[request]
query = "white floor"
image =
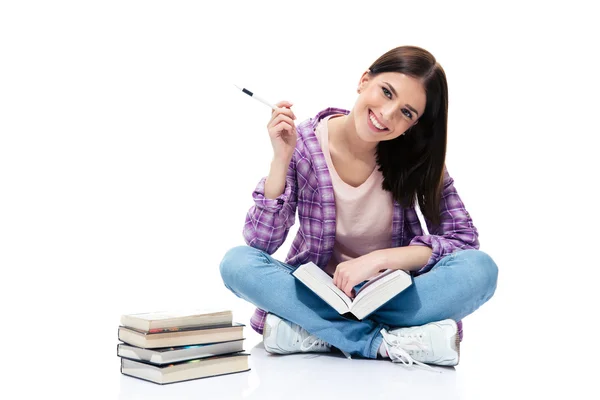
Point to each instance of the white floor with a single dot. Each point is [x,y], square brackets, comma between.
[306,376]
[497,362]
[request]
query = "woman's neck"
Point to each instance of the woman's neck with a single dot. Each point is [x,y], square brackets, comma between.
[343,138]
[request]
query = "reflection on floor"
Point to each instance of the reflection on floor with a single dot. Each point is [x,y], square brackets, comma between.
[307,376]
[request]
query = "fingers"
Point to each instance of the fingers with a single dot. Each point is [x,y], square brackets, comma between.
[342,282]
[284,103]
[336,276]
[347,288]
[283,111]
[283,107]
[341,279]
[280,118]
[283,126]
[349,291]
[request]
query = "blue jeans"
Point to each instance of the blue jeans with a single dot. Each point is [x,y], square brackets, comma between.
[455,287]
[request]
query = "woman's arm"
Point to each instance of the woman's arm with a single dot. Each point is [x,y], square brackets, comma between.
[349,273]
[270,218]
[275,197]
[455,231]
[408,258]
[275,182]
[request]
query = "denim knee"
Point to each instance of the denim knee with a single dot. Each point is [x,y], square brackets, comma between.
[484,271]
[234,262]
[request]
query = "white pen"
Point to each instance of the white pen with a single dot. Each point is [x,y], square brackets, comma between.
[254,96]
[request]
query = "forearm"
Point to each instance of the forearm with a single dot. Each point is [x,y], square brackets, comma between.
[407,258]
[275,183]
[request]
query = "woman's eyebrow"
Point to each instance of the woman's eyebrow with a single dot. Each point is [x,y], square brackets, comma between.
[411,108]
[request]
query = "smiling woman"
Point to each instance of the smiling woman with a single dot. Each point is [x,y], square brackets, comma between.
[354,177]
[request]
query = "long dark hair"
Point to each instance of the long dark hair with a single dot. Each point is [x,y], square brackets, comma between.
[413,164]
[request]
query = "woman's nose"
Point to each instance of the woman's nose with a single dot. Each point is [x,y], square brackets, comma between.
[387,114]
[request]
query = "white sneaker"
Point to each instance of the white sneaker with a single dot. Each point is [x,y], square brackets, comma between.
[434,343]
[284,337]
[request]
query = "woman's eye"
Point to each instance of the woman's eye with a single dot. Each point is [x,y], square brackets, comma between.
[407,113]
[385,92]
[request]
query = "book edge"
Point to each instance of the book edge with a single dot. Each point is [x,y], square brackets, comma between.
[184,329]
[170,363]
[184,380]
[166,365]
[367,296]
[177,348]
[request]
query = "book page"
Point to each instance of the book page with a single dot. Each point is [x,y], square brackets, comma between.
[377,281]
[183,313]
[321,277]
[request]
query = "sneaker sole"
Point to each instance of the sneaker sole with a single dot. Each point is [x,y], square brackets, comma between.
[266,331]
[456,342]
[456,338]
[266,335]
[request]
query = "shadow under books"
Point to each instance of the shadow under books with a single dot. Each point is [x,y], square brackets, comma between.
[307,374]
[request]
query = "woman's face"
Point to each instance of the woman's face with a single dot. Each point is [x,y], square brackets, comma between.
[388,104]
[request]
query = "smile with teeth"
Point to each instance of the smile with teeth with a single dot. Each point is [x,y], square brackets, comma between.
[376,123]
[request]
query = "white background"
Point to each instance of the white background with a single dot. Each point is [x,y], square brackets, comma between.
[128,158]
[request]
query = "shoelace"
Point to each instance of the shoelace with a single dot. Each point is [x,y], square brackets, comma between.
[312,342]
[398,347]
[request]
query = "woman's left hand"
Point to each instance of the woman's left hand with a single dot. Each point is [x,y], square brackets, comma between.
[350,273]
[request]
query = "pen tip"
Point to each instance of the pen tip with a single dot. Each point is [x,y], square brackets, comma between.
[237,86]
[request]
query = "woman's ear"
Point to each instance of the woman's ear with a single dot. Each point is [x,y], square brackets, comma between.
[363,80]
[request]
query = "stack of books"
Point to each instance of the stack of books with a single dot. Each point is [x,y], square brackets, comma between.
[169,347]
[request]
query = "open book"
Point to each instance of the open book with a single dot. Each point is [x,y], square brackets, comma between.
[372,295]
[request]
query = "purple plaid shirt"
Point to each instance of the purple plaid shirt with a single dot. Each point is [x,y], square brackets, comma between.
[309,189]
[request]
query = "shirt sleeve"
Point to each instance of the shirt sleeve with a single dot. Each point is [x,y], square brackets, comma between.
[269,220]
[455,232]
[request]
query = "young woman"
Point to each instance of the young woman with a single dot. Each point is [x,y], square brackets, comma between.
[353,177]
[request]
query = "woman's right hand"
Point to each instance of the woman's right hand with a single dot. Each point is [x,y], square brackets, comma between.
[282,131]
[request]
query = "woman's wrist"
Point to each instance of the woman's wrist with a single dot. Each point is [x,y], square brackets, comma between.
[407,258]
[275,183]
[281,161]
